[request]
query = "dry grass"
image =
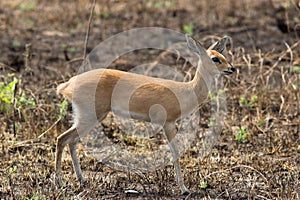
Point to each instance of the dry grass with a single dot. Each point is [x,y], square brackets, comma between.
[263,97]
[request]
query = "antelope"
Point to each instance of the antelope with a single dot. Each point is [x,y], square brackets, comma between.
[97,92]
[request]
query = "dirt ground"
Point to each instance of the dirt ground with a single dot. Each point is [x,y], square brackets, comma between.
[257,155]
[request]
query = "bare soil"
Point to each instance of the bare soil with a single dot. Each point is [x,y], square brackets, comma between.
[262,98]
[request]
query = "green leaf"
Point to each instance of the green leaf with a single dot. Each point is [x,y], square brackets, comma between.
[105,14]
[253,99]
[13,169]
[212,122]
[73,50]
[242,135]
[296,69]
[203,185]
[189,29]
[27,6]
[63,109]
[243,101]
[16,44]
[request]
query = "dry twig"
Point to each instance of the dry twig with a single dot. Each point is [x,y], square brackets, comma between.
[88,29]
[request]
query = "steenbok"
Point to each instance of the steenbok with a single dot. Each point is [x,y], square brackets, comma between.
[92,96]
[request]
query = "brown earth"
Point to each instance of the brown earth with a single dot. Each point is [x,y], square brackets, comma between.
[262,98]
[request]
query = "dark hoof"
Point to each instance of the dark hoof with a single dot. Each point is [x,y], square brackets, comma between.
[82,182]
[185,193]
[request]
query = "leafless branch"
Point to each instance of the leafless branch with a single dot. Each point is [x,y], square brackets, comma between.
[88,29]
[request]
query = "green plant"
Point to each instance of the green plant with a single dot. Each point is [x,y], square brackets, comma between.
[27,6]
[24,101]
[203,185]
[253,100]
[216,96]
[7,90]
[243,101]
[11,171]
[9,95]
[242,135]
[105,14]
[16,44]
[212,122]
[261,123]
[189,29]
[72,50]
[296,69]
[287,5]
[160,4]
[64,46]
[250,103]
[34,196]
[63,106]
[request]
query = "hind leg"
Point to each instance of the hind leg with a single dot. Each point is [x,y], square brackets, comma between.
[76,166]
[67,137]
[71,137]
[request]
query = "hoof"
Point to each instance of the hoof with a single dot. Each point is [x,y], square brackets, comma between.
[82,182]
[185,193]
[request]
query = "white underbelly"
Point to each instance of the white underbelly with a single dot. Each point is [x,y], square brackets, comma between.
[129,114]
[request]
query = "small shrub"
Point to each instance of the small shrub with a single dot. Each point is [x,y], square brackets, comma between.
[11,99]
[7,91]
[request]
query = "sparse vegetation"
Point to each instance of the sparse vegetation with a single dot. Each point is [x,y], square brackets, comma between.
[250,103]
[241,135]
[188,28]
[27,6]
[16,44]
[63,109]
[7,92]
[203,185]
[11,98]
[163,3]
[105,14]
[257,153]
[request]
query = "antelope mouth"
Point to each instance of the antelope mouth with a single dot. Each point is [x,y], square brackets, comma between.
[227,72]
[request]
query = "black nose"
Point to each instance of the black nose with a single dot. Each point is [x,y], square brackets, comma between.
[232,69]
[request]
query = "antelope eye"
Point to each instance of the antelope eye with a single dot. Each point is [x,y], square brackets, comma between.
[216,60]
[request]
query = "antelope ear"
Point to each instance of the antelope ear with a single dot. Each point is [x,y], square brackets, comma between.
[220,45]
[194,45]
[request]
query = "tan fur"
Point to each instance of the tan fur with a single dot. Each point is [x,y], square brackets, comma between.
[60,90]
[149,91]
[97,92]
